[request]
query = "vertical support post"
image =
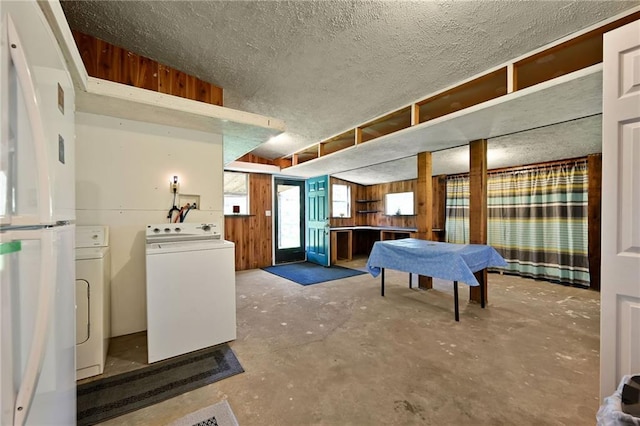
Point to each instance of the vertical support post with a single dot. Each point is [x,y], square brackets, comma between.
[424,202]
[478,209]
[415,114]
[382,283]
[439,207]
[358,136]
[511,78]
[594,207]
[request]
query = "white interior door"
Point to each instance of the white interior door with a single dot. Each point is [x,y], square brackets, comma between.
[620,292]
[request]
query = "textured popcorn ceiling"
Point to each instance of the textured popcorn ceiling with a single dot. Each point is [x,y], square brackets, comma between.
[326,66]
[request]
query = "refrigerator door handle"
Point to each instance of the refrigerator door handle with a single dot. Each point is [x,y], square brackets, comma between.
[31,98]
[39,341]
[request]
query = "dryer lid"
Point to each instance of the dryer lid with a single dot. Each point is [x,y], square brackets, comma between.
[88,253]
[92,236]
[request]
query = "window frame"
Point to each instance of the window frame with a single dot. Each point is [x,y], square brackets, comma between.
[398,206]
[348,201]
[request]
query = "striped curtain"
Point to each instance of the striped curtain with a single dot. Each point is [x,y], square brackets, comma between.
[537,220]
[457,210]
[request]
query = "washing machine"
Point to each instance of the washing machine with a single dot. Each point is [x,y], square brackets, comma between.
[93,299]
[191,289]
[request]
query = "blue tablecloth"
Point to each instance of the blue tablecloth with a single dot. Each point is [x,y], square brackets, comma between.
[455,262]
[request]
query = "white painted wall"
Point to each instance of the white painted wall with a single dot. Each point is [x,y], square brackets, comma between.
[122,180]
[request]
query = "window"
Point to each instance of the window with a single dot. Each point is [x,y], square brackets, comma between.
[399,203]
[341,200]
[236,193]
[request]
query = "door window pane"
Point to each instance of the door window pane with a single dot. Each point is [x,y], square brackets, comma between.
[341,200]
[288,216]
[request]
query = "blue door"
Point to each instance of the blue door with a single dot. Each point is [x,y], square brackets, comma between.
[318,220]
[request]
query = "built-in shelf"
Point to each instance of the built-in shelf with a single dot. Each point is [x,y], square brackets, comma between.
[241,131]
[562,99]
[367,210]
[401,215]
[556,83]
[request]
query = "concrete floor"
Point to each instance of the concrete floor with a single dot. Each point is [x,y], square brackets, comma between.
[338,353]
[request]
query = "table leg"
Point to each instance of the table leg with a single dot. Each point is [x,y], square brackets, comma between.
[382,283]
[455,298]
[482,295]
[410,283]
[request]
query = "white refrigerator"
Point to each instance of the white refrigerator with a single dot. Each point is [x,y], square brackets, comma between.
[37,213]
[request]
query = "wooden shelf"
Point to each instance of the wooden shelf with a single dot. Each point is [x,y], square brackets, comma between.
[569,97]
[242,130]
[367,201]
[560,82]
[368,211]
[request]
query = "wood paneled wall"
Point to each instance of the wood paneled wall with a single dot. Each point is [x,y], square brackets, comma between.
[439,185]
[252,234]
[375,196]
[594,164]
[106,61]
[250,158]
[377,192]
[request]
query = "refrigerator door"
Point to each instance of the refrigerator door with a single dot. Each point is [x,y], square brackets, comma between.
[38,136]
[37,267]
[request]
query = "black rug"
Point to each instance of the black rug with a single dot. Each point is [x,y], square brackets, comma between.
[306,273]
[114,396]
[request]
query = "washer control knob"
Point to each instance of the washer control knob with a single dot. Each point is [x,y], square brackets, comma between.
[206,228]
[156,230]
[167,230]
[178,229]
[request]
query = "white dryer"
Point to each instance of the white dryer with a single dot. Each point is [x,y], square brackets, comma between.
[93,299]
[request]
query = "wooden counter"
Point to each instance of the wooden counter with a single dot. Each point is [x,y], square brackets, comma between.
[349,240]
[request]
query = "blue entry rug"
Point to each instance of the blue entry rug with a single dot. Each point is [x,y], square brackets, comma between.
[307,273]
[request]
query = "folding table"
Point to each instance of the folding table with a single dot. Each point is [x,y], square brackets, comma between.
[455,262]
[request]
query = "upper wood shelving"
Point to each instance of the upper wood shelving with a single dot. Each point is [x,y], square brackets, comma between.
[109,98]
[478,107]
[572,55]
[241,131]
[474,92]
[566,98]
